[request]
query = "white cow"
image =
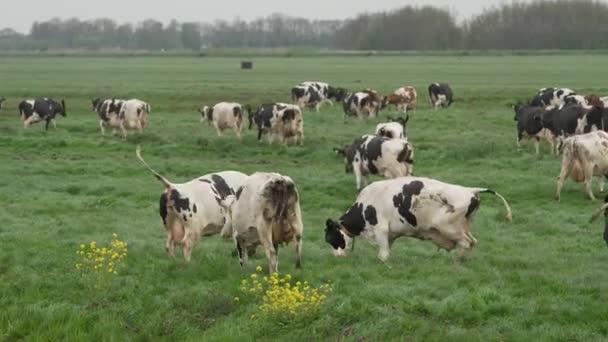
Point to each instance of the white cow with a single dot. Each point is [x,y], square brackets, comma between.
[395,129]
[421,208]
[371,154]
[133,115]
[583,157]
[193,209]
[224,115]
[266,210]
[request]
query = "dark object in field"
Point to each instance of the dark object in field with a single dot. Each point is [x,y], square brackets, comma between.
[2,99]
[603,209]
[246,65]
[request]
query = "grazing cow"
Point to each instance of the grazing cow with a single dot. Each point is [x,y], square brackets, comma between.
[224,115]
[603,209]
[2,99]
[366,103]
[420,208]
[33,111]
[194,209]
[266,210]
[530,125]
[371,154]
[410,96]
[441,95]
[584,156]
[556,97]
[312,94]
[279,119]
[395,129]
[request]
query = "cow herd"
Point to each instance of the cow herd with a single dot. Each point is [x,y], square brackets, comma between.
[264,208]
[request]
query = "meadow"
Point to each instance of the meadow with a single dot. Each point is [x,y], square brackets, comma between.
[537,278]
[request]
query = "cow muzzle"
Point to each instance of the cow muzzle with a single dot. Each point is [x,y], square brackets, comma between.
[339,252]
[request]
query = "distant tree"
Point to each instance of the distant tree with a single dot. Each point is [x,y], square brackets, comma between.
[191,36]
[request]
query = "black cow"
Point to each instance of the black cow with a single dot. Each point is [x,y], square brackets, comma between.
[33,111]
[530,125]
[440,94]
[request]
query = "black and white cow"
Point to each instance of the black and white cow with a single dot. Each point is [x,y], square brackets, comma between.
[440,95]
[363,104]
[41,109]
[420,208]
[122,114]
[556,97]
[394,129]
[376,155]
[194,209]
[602,210]
[279,119]
[313,94]
[225,115]
[564,121]
[108,111]
[530,125]
[2,99]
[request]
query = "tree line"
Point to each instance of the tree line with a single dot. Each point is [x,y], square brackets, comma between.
[544,24]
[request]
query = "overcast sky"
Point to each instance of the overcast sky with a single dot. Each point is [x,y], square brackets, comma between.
[20,14]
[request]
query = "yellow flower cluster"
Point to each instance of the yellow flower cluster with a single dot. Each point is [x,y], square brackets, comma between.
[280,296]
[102,259]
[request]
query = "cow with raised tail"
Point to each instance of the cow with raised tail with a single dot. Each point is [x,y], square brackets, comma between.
[371,154]
[420,208]
[266,210]
[194,209]
[41,109]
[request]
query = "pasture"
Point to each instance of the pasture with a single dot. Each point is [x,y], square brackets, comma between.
[537,278]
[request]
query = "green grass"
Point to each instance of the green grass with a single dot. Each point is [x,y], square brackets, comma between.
[537,278]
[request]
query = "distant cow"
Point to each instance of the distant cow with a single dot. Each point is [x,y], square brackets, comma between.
[420,208]
[376,155]
[556,97]
[366,103]
[395,129]
[41,109]
[530,125]
[224,115]
[108,110]
[266,210]
[313,94]
[602,210]
[583,157]
[192,210]
[2,99]
[564,121]
[440,95]
[279,119]
[409,98]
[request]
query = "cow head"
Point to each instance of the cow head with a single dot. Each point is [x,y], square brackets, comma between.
[336,237]
[348,153]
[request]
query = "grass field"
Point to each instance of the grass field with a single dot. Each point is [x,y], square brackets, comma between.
[537,278]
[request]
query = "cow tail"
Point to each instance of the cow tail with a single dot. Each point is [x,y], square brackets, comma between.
[509,215]
[280,196]
[158,176]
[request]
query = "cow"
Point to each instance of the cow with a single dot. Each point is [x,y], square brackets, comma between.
[279,119]
[530,125]
[108,111]
[133,115]
[394,129]
[564,121]
[2,99]
[556,97]
[440,95]
[603,209]
[583,157]
[266,210]
[409,96]
[371,154]
[365,103]
[420,208]
[224,115]
[194,209]
[312,94]
[40,109]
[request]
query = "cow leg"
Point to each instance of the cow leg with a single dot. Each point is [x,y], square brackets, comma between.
[564,172]
[464,246]
[537,145]
[298,239]
[170,245]
[243,257]
[217,129]
[46,126]
[271,252]
[588,172]
[237,131]
[102,126]
[123,130]
[54,123]
[383,242]
[188,245]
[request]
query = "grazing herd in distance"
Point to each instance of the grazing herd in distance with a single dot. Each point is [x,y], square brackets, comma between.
[264,208]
